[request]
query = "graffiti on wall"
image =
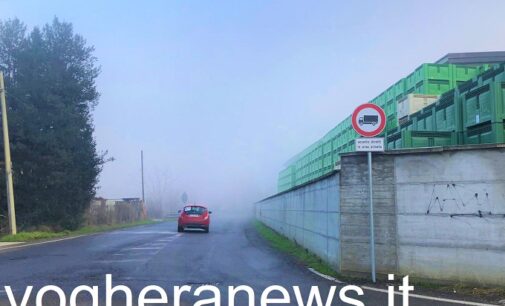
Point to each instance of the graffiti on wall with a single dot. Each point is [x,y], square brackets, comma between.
[460,200]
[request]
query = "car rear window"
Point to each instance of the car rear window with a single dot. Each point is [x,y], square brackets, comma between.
[194,210]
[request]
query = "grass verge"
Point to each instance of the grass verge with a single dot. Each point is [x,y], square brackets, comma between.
[313,261]
[39,235]
[287,246]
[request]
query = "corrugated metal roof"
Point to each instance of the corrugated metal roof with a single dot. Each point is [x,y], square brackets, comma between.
[469,58]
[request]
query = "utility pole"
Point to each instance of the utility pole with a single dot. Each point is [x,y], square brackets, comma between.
[142,171]
[8,163]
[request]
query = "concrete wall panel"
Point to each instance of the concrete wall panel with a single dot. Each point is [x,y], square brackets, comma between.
[451,215]
[355,213]
[309,216]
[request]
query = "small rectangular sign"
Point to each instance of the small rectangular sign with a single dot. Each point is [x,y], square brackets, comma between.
[370,144]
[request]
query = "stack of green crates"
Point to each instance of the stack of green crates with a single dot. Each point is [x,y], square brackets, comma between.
[473,113]
[427,79]
[484,114]
[470,110]
[420,139]
[286,179]
[308,164]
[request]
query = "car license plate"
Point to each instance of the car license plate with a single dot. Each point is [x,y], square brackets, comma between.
[193,215]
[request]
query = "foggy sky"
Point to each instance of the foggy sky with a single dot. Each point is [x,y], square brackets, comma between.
[220,94]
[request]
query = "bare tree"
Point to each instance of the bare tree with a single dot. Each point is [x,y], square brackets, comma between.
[162,199]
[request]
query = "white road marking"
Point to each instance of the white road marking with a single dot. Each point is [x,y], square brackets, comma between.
[169,238]
[331,278]
[156,245]
[136,254]
[45,242]
[23,244]
[121,260]
[142,232]
[417,296]
[144,248]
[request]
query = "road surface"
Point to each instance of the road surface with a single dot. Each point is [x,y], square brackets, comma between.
[232,254]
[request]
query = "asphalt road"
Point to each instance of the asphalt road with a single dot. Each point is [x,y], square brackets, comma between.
[232,254]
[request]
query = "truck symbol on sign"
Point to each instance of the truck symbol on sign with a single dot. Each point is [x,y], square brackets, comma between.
[368,119]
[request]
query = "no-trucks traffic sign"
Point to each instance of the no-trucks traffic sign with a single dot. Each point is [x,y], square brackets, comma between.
[368,120]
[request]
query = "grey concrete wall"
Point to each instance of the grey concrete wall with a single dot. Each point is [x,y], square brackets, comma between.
[451,215]
[439,214]
[309,216]
[355,216]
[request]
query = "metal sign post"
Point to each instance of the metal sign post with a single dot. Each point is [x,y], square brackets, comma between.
[372,229]
[369,120]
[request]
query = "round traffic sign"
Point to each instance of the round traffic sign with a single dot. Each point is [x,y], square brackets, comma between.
[368,120]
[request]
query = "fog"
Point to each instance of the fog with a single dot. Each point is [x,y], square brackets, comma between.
[220,94]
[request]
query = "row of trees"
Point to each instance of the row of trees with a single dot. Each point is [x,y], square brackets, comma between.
[50,75]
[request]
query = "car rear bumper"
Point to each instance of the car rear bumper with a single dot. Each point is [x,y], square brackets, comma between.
[195,225]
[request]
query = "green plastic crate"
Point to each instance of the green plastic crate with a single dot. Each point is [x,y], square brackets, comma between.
[484,104]
[352,146]
[448,112]
[317,153]
[398,143]
[287,178]
[394,140]
[430,79]
[389,95]
[318,164]
[390,108]
[336,143]
[424,120]
[429,72]
[486,132]
[380,100]
[391,122]
[496,73]
[433,87]
[327,146]
[420,139]
[336,156]
[407,125]
[399,90]
[353,135]
[328,160]
[462,74]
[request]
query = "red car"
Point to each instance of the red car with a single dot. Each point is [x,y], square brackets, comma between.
[194,216]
